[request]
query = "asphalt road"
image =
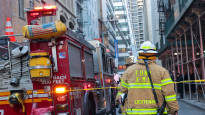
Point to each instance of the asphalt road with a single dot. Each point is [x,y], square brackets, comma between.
[186,109]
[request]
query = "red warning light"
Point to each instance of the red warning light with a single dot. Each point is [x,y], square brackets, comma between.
[61,98]
[108,80]
[34,14]
[37,12]
[45,7]
[86,86]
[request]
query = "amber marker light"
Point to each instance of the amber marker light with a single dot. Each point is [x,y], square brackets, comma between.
[60,90]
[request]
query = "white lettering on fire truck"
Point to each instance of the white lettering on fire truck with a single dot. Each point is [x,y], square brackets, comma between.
[1,112]
[59,77]
[56,79]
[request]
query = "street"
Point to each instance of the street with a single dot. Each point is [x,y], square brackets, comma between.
[186,109]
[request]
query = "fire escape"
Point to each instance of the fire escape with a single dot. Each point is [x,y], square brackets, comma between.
[161,19]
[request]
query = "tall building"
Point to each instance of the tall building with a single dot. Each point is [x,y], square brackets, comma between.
[123,32]
[151,17]
[135,9]
[152,30]
[107,25]
[90,19]
[71,13]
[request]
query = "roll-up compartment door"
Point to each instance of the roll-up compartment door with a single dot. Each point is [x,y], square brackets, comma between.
[89,69]
[75,64]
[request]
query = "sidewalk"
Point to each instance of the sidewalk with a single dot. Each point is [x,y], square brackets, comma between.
[195,103]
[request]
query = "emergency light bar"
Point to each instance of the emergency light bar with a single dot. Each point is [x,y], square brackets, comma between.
[45,7]
[37,12]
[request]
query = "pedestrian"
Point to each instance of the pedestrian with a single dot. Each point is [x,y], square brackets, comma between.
[193,86]
[117,78]
[148,86]
[171,75]
[180,85]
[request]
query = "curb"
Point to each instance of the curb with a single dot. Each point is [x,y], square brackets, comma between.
[101,112]
[194,103]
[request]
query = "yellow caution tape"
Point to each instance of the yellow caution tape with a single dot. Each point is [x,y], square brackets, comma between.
[89,89]
[191,81]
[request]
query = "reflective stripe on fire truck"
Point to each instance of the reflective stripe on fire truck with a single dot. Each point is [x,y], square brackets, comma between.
[4,98]
[38,95]
[4,93]
[3,102]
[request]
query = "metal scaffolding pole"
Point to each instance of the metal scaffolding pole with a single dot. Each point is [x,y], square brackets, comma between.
[173,65]
[169,62]
[201,48]
[187,63]
[182,66]
[178,69]
[193,58]
[173,62]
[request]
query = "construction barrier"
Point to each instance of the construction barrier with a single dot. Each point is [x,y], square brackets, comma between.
[9,30]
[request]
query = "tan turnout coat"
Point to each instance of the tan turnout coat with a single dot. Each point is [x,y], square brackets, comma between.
[135,82]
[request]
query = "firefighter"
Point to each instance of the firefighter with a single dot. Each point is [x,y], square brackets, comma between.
[137,83]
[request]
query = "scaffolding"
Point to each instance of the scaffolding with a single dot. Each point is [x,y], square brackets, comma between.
[135,11]
[185,55]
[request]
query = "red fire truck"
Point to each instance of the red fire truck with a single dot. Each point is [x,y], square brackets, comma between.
[64,75]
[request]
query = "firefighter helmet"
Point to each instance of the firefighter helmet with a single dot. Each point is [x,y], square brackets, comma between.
[147,50]
[147,47]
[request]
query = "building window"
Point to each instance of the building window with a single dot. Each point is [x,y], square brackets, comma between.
[117,0]
[122,50]
[119,8]
[21,8]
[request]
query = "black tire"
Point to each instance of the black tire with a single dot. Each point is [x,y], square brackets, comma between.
[113,110]
[111,102]
[89,106]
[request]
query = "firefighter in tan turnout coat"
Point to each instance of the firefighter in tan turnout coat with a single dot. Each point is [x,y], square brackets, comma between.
[136,83]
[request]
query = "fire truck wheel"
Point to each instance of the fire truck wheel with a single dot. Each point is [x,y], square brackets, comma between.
[113,103]
[89,106]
